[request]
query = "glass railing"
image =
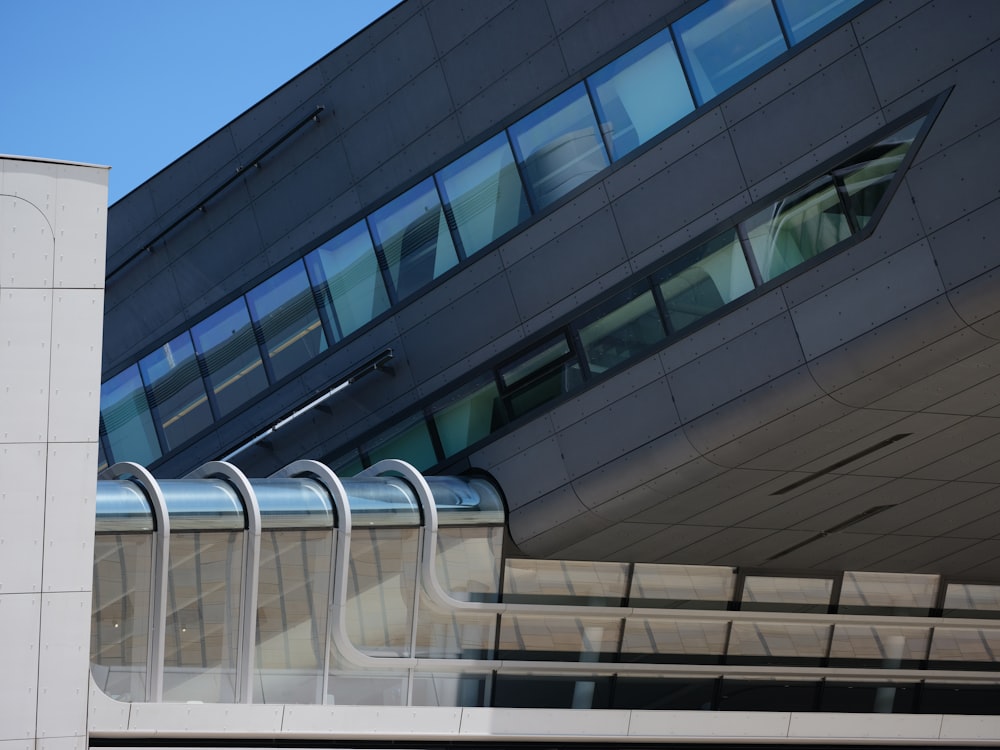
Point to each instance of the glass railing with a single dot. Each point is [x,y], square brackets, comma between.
[227,360]
[831,212]
[391,589]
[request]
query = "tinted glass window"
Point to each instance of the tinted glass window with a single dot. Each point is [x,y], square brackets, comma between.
[469,416]
[178,392]
[227,343]
[483,194]
[640,94]
[541,375]
[410,442]
[804,17]
[621,330]
[413,234]
[724,41]
[345,272]
[559,146]
[284,308]
[126,419]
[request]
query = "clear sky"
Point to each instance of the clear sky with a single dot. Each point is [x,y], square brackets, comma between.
[134,84]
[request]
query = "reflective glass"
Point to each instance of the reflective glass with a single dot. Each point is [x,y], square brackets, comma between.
[772,642]
[555,638]
[119,626]
[786,594]
[900,593]
[472,690]
[562,581]
[345,273]
[704,280]
[682,586]
[804,17]
[292,503]
[346,465]
[177,390]
[483,194]
[203,614]
[621,329]
[202,504]
[350,686]
[976,645]
[468,562]
[285,311]
[558,146]
[292,611]
[413,234]
[977,600]
[381,501]
[126,419]
[797,228]
[468,416]
[454,635]
[226,341]
[866,177]
[409,441]
[879,646]
[544,373]
[122,506]
[466,501]
[640,94]
[724,41]
[686,641]
[379,612]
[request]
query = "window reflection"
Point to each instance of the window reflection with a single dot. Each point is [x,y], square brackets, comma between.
[563,581]
[797,228]
[414,237]
[804,17]
[778,643]
[177,390]
[345,273]
[682,586]
[640,94]
[409,441]
[483,194]
[544,373]
[468,416]
[559,146]
[126,420]
[284,309]
[888,593]
[622,329]
[786,594]
[724,41]
[680,641]
[227,342]
[704,280]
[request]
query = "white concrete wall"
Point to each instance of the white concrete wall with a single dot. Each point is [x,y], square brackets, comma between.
[53,219]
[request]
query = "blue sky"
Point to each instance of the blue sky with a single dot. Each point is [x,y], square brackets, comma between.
[134,84]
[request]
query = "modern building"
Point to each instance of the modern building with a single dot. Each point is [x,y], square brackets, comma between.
[704,291]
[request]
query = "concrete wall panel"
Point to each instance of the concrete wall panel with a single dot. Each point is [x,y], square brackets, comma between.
[883,15]
[22,502]
[551,225]
[813,112]
[687,189]
[75,401]
[80,221]
[551,522]
[530,474]
[277,113]
[27,260]
[966,248]
[867,300]
[69,518]
[25,349]
[64,664]
[452,21]
[19,634]
[610,391]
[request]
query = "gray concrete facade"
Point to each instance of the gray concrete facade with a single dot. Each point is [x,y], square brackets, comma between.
[690,455]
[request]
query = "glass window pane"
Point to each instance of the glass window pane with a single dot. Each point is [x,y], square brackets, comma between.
[704,280]
[965,645]
[804,17]
[724,41]
[126,419]
[345,272]
[879,646]
[559,146]
[786,594]
[867,176]
[178,392]
[774,642]
[284,308]
[292,616]
[900,593]
[561,581]
[972,600]
[379,611]
[410,442]
[640,94]
[468,416]
[203,614]
[483,193]
[621,330]
[468,562]
[413,234]
[797,228]
[543,374]
[668,641]
[558,638]
[119,626]
[226,341]
[682,586]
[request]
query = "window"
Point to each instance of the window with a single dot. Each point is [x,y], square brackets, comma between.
[804,17]
[622,329]
[177,390]
[226,341]
[544,373]
[127,422]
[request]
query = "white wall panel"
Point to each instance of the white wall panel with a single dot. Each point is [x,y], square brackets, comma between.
[74,402]
[64,664]
[22,508]
[25,327]
[26,246]
[19,615]
[71,488]
[81,219]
